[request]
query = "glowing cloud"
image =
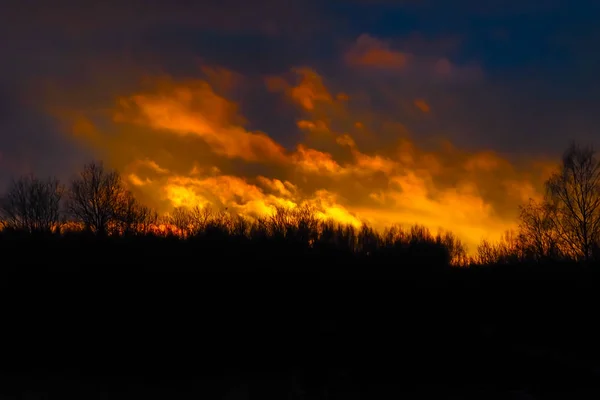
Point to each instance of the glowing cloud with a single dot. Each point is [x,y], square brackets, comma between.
[192,108]
[179,143]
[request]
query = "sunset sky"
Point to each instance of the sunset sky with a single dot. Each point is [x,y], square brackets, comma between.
[445,113]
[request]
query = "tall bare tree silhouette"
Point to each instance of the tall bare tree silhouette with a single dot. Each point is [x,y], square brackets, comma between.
[539,239]
[96,198]
[573,194]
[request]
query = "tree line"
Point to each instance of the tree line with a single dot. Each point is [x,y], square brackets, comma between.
[564,226]
[97,203]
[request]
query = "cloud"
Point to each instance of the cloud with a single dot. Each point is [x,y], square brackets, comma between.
[192,108]
[422,105]
[373,53]
[94,60]
[179,143]
[308,91]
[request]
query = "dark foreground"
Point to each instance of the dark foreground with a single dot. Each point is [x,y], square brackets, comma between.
[298,336]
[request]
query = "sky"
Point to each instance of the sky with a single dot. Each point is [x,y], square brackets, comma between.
[447,114]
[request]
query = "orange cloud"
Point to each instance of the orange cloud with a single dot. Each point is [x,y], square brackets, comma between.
[372,52]
[192,108]
[314,161]
[422,105]
[313,126]
[179,143]
[285,189]
[309,90]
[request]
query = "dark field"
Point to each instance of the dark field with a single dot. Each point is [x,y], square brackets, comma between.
[273,333]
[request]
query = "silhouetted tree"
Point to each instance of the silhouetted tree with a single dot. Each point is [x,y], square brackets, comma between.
[240,227]
[457,251]
[573,193]
[508,250]
[335,237]
[200,218]
[539,239]
[32,205]
[97,198]
[181,218]
[368,241]
[134,218]
[281,222]
[486,253]
[307,224]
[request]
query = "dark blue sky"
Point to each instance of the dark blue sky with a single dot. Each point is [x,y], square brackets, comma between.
[539,63]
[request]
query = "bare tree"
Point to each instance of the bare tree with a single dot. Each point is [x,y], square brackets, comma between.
[31,204]
[96,198]
[307,224]
[539,239]
[135,218]
[574,195]
[200,218]
[457,250]
[181,218]
[240,226]
[507,250]
[487,253]
[280,223]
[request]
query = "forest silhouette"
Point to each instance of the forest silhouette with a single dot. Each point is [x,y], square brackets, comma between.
[96,209]
[293,306]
